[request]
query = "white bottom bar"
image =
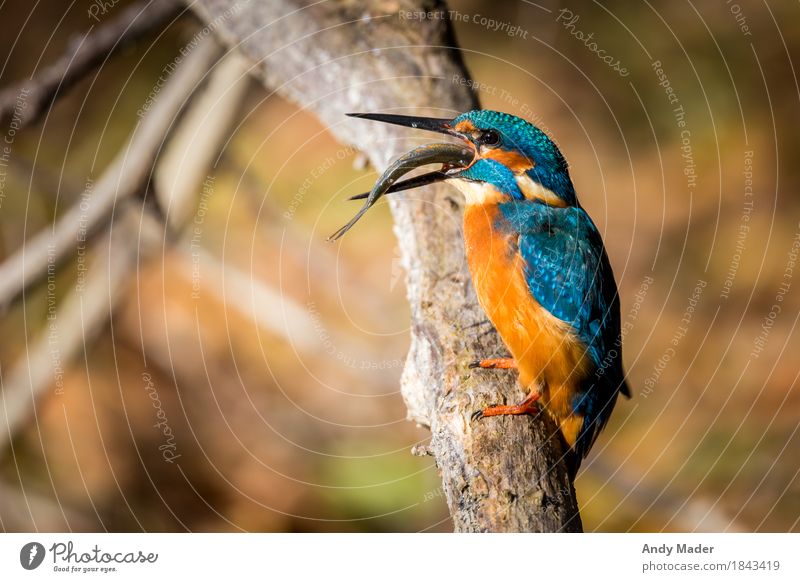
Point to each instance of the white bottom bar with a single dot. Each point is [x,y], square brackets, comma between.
[410,557]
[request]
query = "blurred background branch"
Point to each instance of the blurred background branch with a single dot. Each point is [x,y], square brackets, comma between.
[130,239]
[126,175]
[85,54]
[78,320]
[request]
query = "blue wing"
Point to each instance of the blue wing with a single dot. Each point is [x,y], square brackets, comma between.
[569,274]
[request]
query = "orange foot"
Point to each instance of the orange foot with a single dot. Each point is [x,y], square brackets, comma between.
[527,406]
[495,363]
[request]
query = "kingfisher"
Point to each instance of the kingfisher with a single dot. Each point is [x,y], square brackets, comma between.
[537,261]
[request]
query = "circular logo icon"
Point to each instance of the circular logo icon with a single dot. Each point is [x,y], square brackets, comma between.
[31,555]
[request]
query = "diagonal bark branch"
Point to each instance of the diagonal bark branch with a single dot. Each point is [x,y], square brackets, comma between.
[83,55]
[502,474]
[125,176]
[131,237]
[77,322]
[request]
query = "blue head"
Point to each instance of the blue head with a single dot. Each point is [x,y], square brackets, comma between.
[502,158]
[512,159]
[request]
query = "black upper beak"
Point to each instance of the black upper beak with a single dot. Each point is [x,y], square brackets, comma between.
[439,125]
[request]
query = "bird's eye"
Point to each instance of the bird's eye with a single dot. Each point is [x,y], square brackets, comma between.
[489,138]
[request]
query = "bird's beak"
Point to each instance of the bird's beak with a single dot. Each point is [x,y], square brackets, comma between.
[437,124]
[453,158]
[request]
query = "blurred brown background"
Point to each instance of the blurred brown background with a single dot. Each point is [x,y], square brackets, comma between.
[274,357]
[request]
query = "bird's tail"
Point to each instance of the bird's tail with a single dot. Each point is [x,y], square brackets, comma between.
[573,461]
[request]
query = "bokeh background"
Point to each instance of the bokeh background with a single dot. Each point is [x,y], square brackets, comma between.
[275,357]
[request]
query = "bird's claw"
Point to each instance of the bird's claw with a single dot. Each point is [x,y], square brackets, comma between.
[477,415]
[504,363]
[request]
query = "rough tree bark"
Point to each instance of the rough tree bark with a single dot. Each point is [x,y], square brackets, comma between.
[500,474]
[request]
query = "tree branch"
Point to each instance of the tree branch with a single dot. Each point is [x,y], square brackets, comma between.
[82,56]
[502,474]
[125,176]
[82,315]
[131,237]
[195,144]
[24,510]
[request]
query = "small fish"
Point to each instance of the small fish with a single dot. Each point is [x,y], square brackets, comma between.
[450,155]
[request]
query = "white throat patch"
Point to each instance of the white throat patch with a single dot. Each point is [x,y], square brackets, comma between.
[477,192]
[532,190]
[484,193]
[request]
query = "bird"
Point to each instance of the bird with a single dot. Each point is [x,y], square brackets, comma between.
[538,265]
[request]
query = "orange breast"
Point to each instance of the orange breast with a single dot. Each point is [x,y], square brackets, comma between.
[549,356]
